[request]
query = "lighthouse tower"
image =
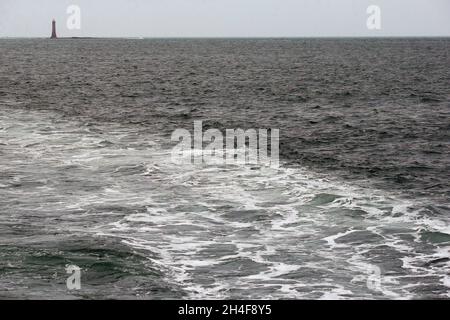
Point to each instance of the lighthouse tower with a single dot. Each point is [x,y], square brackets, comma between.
[54,30]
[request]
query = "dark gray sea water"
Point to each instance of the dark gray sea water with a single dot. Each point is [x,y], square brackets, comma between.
[358,209]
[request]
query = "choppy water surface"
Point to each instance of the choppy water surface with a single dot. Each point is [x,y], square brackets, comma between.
[86,176]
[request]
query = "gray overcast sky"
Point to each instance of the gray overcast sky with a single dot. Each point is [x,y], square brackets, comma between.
[225,18]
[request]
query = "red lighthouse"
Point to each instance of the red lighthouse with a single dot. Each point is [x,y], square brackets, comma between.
[54,30]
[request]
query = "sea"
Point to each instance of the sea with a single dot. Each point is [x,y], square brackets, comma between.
[359,207]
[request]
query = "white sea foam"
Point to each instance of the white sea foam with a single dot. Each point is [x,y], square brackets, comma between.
[227,231]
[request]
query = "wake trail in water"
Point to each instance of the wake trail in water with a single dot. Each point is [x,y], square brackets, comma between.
[221,231]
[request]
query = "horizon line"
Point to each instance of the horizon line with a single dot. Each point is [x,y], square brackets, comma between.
[232,37]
